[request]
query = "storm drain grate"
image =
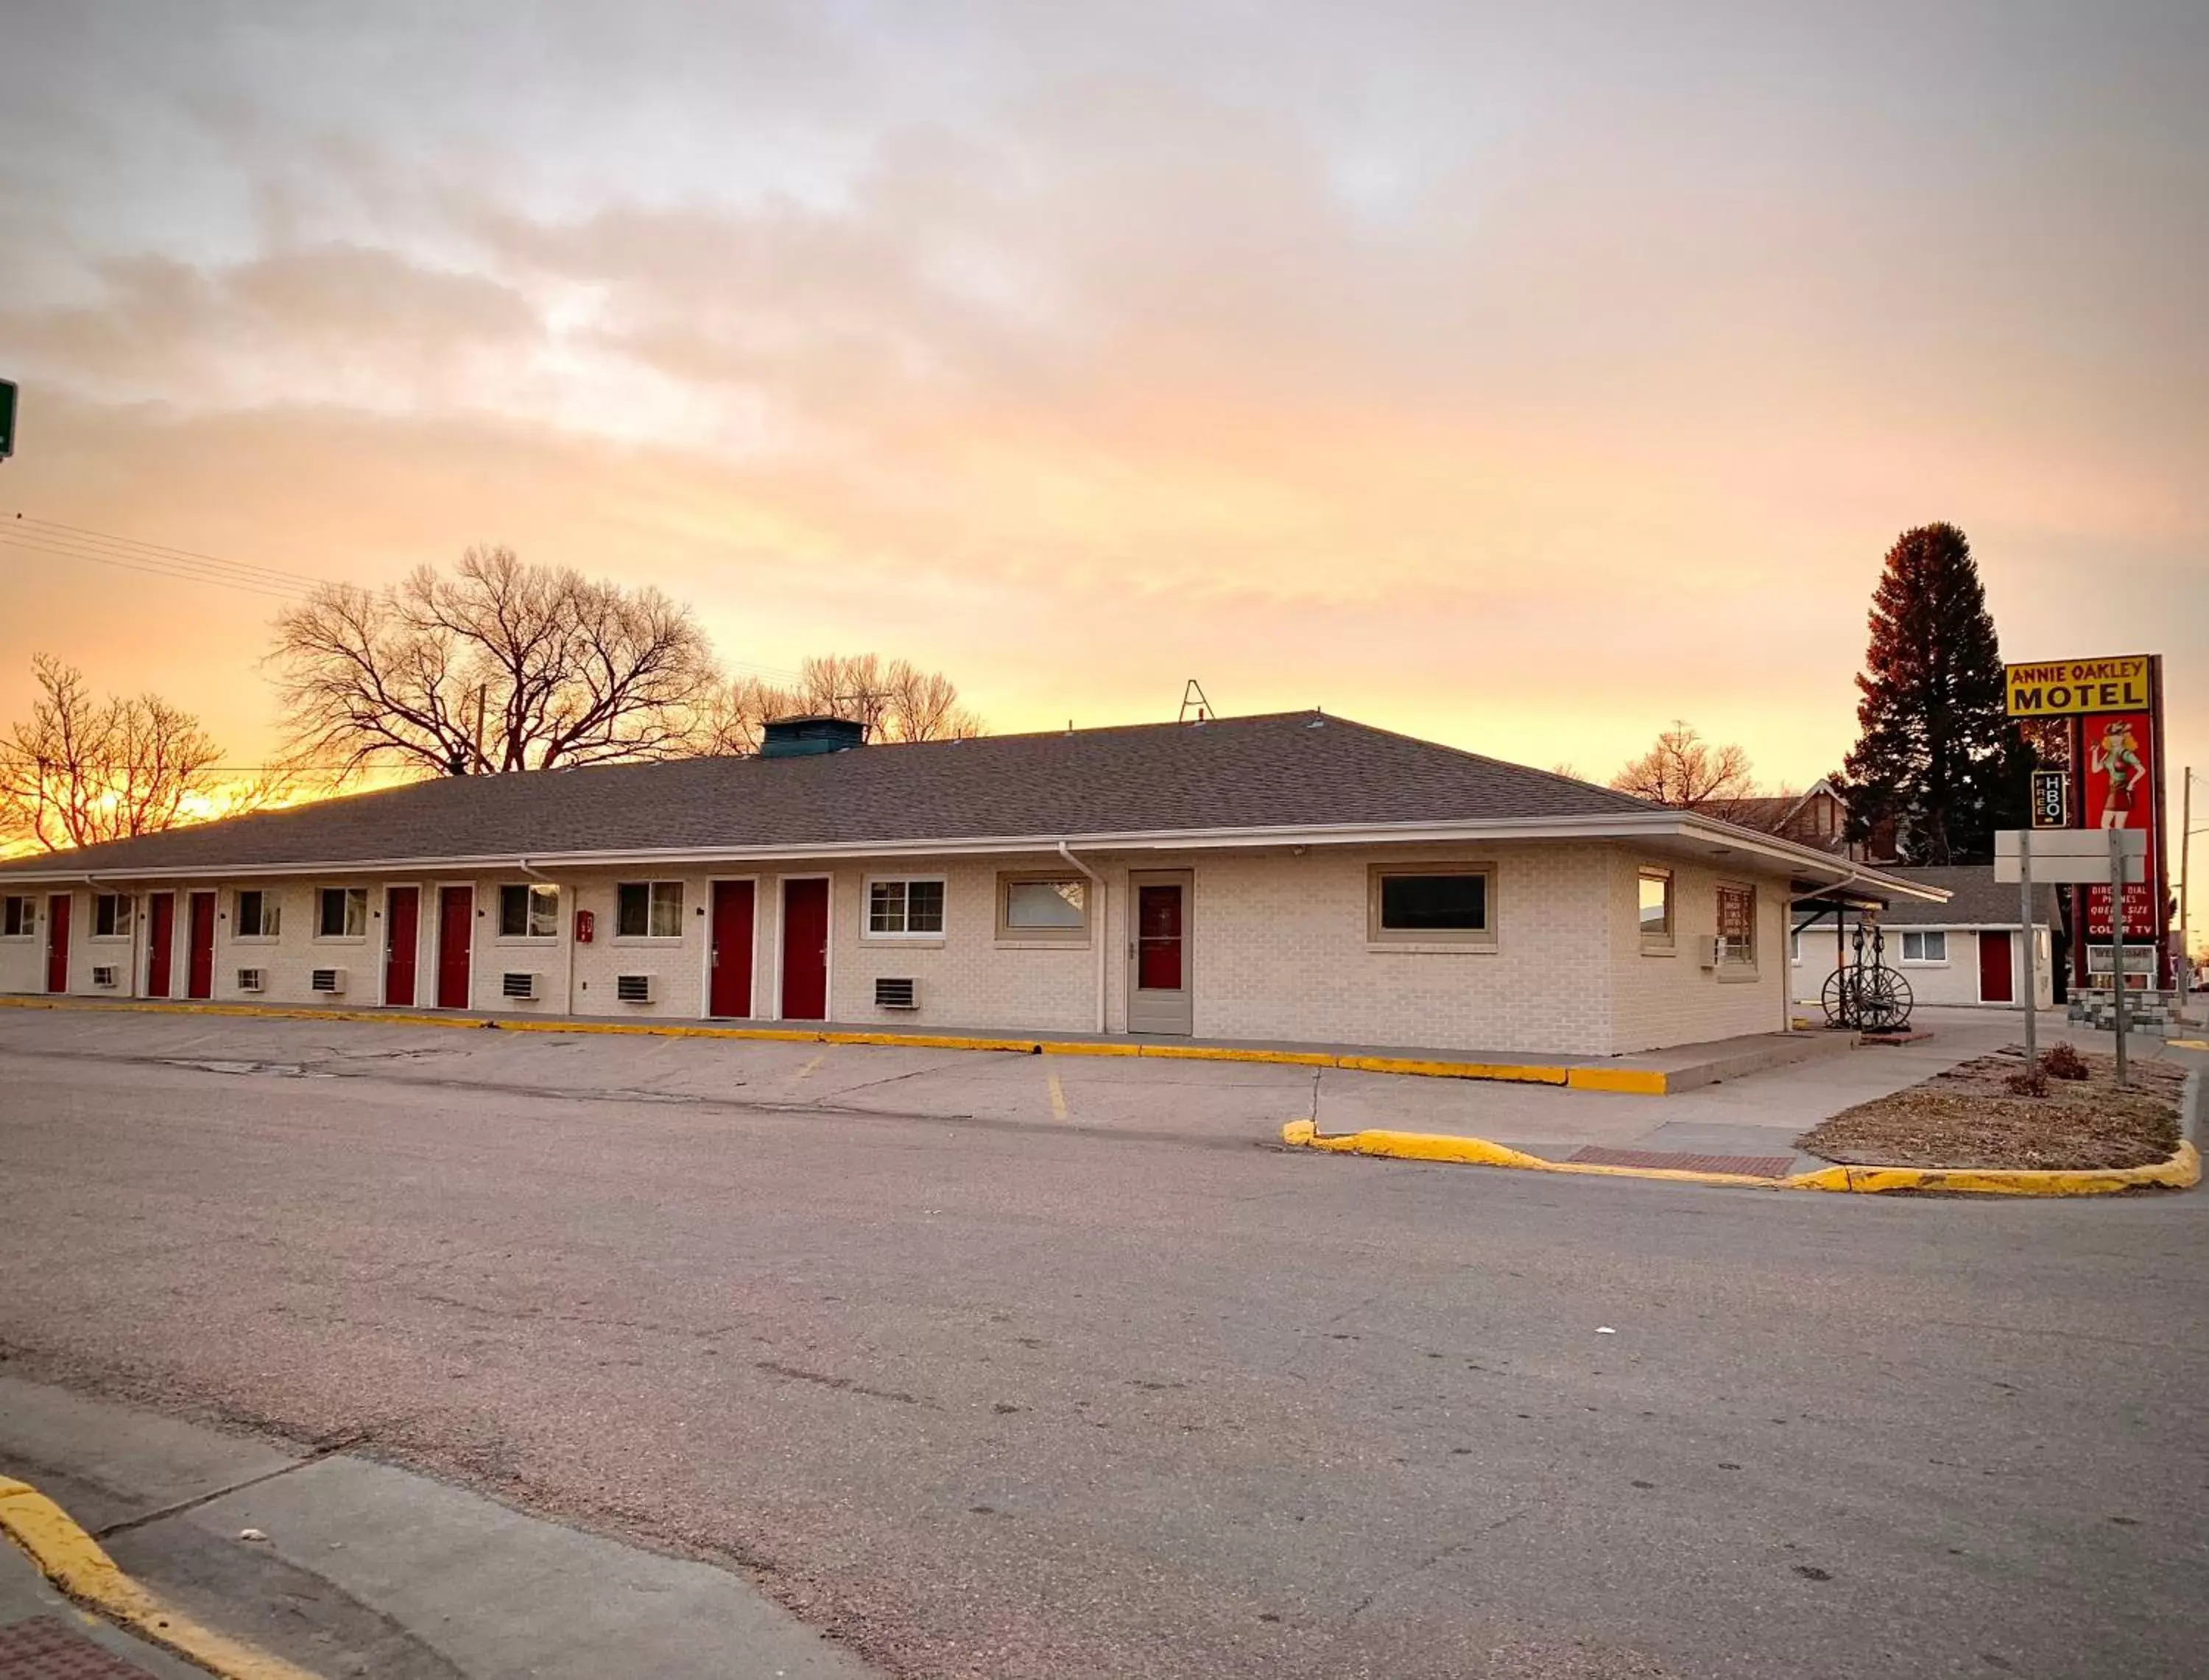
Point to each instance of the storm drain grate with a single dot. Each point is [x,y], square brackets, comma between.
[1750,1167]
[43,1649]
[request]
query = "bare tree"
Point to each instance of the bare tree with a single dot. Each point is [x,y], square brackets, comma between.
[1686,771]
[500,667]
[82,770]
[897,702]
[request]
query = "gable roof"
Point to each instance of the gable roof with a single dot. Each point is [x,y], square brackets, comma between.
[1975,898]
[1287,770]
[1278,778]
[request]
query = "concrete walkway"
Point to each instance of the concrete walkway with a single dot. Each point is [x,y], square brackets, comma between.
[370,1570]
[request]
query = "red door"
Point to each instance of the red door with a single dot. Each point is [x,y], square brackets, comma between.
[1995,986]
[57,933]
[730,991]
[160,941]
[402,934]
[805,950]
[199,961]
[456,923]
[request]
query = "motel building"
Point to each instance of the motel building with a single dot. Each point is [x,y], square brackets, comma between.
[1292,878]
[1969,951]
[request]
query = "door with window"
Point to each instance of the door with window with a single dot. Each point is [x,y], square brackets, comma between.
[1995,981]
[160,941]
[805,950]
[199,959]
[456,927]
[729,986]
[1160,995]
[58,943]
[402,940]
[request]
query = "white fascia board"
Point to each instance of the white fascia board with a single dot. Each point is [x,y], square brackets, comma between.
[1655,824]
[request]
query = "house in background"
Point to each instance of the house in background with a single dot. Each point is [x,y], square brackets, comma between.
[1818,817]
[1969,950]
[1293,877]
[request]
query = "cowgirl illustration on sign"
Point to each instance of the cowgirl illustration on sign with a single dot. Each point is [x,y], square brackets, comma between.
[2117,757]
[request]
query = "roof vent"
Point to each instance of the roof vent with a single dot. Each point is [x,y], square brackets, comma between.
[801,738]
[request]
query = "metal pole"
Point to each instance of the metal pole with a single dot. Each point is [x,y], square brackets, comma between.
[2185,882]
[2032,955]
[2118,942]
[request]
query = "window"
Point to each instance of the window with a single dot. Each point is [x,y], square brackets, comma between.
[253,915]
[1929,946]
[19,918]
[1431,904]
[905,908]
[1656,910]
[110,916]
[343,914]
[649,910]
[527,912]
[1737,926]
[1043,907]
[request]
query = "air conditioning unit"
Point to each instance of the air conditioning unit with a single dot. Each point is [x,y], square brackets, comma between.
[326,982]
[896,994]
[107,977]
[522,987]
[1706,950]
[253,979]
[633,988]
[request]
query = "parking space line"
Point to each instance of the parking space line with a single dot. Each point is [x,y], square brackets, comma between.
[800,1075]
[1057,1099]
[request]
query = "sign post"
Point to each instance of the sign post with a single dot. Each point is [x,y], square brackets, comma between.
[7,418]
[2117,943]
[2032,948]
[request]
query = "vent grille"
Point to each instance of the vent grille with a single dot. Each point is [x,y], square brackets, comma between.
[891,994]
[103,976]
[633,988]
[517,985]
[252,979]
[328,981]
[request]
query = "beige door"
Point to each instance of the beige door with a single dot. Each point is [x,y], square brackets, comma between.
[1160,952]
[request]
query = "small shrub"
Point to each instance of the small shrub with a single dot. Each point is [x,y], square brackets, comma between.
[2024,1084]
[2062,1062]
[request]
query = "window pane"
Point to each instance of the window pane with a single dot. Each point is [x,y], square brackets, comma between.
[633,912]
[886,908]
[355,912]
[543,912]
[248,915]
[1044,904]
[1936,946]
[1656,903]
[1434,903]
[923,906]
[666,910]
[513,913]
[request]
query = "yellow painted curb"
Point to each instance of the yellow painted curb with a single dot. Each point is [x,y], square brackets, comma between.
[1639,1082]
[2187,1044]
[2181,1171]
[73,1561]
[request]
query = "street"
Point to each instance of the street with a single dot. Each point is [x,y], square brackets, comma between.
[979,1398]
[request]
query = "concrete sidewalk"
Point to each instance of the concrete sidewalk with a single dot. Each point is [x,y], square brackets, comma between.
[42,1633]
[370,1570]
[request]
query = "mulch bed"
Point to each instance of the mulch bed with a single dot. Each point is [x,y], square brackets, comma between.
[1967,1117]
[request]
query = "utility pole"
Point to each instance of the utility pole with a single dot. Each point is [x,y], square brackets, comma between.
[2185,880]
[2032,950]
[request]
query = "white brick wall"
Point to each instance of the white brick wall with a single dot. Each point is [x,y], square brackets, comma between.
[1279,951]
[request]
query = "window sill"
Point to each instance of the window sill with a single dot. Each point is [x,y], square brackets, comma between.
[1421,948]
[644,941]
[911,942]
[1003,943]
[1651,947]
[1737,973]
[531,942]
[256,939]
[338,939]
[107,939]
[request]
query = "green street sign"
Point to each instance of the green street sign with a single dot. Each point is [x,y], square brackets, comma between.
[7,418]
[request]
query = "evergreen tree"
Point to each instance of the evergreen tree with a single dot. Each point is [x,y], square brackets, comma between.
[1937,760]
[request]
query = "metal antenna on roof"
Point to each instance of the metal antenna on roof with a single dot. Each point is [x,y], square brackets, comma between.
[1192,699]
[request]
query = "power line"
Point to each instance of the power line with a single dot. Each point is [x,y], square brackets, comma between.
[54,529]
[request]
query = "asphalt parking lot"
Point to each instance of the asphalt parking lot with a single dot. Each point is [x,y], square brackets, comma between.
[982,1390]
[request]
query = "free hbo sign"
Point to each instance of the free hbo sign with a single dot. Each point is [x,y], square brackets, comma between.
[2068,687]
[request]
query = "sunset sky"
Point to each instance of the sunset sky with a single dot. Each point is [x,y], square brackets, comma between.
[1520,376]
